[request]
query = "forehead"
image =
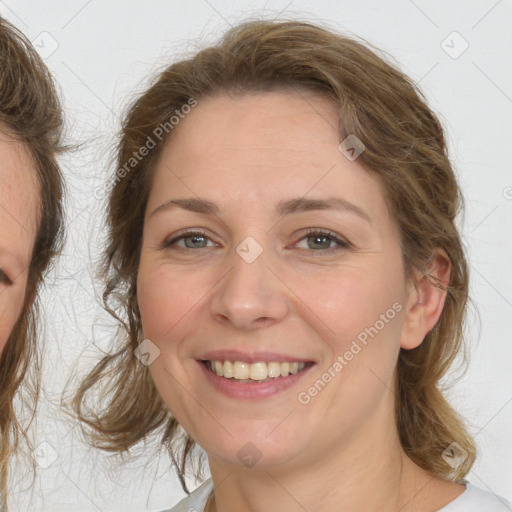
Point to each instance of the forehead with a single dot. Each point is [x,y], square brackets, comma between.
[19,197]
[226,122]
[263,146]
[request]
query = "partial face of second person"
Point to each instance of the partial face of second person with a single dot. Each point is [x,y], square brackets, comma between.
[322,277]
[19,206]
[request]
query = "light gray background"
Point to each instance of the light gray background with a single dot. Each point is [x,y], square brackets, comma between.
[102,53]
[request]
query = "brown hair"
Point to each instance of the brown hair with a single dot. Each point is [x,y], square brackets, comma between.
[405,148]
[30,111]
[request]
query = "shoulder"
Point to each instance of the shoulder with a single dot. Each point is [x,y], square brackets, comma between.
[196,501]
[474,499]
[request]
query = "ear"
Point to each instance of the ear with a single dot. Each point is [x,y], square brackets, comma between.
[426,301]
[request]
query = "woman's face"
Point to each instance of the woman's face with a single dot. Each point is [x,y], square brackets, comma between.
[262,183]
[19,200]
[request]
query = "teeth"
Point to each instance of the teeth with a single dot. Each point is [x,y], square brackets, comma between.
[260,371]
[274,369]
[227,368]
[241,370]
[219,368]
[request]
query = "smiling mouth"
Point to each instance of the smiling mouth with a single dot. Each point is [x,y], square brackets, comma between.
[254,372]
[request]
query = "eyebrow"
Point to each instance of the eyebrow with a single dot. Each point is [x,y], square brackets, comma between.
[284,207]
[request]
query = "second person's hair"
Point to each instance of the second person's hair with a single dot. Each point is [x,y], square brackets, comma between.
[30,113]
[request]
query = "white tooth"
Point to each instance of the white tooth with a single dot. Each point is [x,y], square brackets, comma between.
[228,370]
[241,370]
[285,369]
[258,371]
[274,369]
[218,368]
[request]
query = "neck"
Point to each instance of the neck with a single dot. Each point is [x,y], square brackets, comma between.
[363,475]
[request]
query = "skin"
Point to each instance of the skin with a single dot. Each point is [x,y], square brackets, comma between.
[19,200]
[247,154]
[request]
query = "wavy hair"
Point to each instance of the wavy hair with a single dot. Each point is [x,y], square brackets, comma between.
[405,149]
[30,112]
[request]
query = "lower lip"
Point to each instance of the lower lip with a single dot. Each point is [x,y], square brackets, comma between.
[249,390]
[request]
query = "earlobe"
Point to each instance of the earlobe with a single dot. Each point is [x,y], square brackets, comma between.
[426,301]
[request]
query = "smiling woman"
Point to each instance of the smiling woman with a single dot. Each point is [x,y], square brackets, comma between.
[293,236]
[30,222]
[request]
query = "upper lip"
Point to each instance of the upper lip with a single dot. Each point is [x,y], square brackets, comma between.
[251,357]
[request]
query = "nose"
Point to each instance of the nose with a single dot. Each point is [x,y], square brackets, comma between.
[250,296]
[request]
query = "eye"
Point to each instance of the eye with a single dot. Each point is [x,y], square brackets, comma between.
[316,240]
[323,240]
[190,240]
[4,278]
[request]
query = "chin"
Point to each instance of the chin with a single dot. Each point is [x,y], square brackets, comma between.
[254,450]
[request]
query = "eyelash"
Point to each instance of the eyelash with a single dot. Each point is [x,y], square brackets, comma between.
[342,244]
[4,278]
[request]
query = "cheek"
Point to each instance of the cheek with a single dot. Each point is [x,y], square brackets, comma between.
[364,312]
[363,308]
[353,300]
[166,296]
[11,304]
[168,300]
